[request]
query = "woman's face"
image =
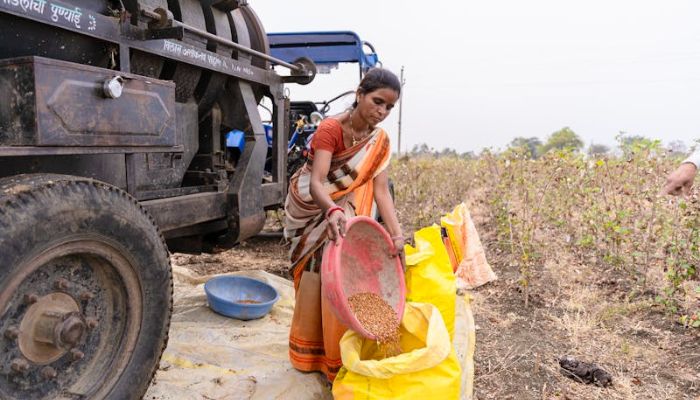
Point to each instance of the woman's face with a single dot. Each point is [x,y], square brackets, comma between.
[375,106]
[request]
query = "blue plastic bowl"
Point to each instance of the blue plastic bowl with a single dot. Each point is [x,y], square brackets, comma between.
[240,297]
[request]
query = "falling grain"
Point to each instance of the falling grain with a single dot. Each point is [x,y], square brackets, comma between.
[379,319]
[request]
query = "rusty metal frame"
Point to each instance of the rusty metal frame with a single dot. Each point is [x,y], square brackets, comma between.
[189,210]
[127,36]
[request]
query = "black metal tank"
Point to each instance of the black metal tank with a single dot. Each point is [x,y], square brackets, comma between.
[226,19]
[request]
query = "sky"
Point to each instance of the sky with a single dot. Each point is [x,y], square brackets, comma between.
[479,73]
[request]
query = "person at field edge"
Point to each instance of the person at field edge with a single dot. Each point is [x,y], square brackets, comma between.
[680,181]
[344,175]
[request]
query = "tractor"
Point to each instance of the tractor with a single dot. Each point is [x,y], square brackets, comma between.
[114,117]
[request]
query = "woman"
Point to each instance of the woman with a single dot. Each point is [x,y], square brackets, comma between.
[346,170]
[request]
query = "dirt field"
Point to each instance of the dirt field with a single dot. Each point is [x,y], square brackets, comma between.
[577,310]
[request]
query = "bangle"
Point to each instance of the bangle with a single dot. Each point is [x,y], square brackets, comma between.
[332,210]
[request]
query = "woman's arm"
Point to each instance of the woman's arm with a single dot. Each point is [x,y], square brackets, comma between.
[385,204]
[319,170]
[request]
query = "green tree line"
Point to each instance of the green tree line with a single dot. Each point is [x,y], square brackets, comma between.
[564,139]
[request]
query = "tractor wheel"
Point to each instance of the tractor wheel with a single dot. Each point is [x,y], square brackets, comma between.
[85,290]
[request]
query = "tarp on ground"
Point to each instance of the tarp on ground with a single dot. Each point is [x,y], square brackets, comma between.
[210,356]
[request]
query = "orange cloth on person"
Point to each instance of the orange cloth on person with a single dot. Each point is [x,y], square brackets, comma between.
[328,136]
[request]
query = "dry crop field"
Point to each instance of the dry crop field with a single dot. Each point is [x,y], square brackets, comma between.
[592,263]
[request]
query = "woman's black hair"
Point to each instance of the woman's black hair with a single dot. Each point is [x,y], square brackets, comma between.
[378,78]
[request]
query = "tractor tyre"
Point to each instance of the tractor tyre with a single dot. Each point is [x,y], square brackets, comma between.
[85,290]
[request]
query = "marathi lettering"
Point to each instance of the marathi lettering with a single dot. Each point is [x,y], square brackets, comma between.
[213,60]
[69,14]
[36,6]
[171,47]
[195,54]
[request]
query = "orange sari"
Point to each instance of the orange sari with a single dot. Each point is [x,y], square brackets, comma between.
[314,337]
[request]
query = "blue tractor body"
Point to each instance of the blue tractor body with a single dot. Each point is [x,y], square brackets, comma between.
[326,50]
[323,48]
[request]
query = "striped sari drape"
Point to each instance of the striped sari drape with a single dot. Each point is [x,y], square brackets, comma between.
[315,332]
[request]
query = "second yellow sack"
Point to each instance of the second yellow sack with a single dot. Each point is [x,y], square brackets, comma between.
[429,275]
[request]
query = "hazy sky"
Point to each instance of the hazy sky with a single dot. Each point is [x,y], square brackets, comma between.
[479,73]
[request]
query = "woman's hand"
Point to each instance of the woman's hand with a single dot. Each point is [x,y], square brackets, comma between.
[398,251]
[336,225]
[398,245]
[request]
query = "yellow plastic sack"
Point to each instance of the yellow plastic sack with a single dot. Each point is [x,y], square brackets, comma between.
[429,276]
[472,270]
[427,368]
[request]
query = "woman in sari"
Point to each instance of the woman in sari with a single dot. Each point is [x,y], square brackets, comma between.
[344,176]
